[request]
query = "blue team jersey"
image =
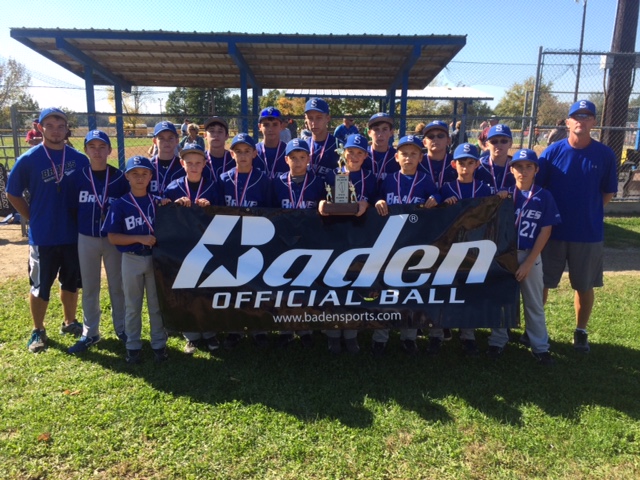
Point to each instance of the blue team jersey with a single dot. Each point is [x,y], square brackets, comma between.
[577,179]
[440,171]
[245,189]
[497,177]
[534,210]
[165,172]
[306,194]
[205,188]
[131,215]
[323,158]
[475,189]
[93,196]
[381,163]
[39,170]
[271,160]
[216,166]
[342,132]
[399,188]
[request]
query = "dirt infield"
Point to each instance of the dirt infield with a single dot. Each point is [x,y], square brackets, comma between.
[14,252]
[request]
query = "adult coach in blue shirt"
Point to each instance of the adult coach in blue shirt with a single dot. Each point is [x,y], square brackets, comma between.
[580,172]
[346,128]
[46,171]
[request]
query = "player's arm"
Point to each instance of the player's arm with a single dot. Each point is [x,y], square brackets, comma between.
[538,245]
[124,239]
[606,197]
[20,204]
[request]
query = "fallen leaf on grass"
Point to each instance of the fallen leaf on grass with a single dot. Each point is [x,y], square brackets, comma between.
[69,392]
[44,437]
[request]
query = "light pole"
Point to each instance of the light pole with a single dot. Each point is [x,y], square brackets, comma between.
[160,100]
[584,17]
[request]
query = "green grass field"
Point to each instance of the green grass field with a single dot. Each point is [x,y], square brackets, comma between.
[306,415]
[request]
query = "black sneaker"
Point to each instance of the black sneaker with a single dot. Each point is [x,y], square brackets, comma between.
[284,339]
[37,341]
[581,341]
[232,341]
[544,358]
[335,346]
[435,344]
[378,348]
[191,347]
[494,352]
[212,344]
[160,354]
[122,337]
[74,328]
[83,344]
[134,357]
[410,347]
[352,346]
[524,339]
[306,341]
[447,334]
[261,341]
[470,348]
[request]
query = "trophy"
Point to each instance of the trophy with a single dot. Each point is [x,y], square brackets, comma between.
[341,198]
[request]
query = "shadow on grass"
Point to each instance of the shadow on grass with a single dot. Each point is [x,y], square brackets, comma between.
[313,384]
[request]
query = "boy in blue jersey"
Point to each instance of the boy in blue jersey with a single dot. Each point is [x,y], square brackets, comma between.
[270,158]
[437,161]
[44,170]
[166,163]
[245,186]
[381,160]
[465,162]
[219,159]
[299,188]
[322,145]
[408,186]
[130,226]
[194,189]
[364,184]
[494,167]
[536,213]
[96,187]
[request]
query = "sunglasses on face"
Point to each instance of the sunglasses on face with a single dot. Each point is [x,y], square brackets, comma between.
[582,116]
[436,135]
[501,141]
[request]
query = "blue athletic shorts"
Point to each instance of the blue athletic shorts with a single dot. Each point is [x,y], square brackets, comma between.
[51,261]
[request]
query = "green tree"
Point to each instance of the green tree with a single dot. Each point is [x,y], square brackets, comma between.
[549,108]
[132,102]
[14,81]
[199,103]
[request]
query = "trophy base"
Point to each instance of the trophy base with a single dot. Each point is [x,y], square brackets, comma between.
[341,208]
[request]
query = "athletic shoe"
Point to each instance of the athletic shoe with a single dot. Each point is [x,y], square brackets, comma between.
[160,354]
[410,347]
[335,346]
[284,339]
[524,339]
[232,341]
[212,344]
[306,341]
[134,357]
[378,348]
[83,344]
[122,337]
[447,334]
[470,348]
[74,328]
[261,341]
[38,340]
[435,344]
[581,341]
[544,358]
[494,352]
[191,347]
[352,346]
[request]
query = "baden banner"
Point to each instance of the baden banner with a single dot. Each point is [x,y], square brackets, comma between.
[231,269]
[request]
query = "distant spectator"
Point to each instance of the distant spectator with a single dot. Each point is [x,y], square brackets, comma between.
[285,133]
[558,133]
[482,138]
[455,136]
[417,132]
[184,128]
[192,137]
[293,128]
[34,136]
[345,129]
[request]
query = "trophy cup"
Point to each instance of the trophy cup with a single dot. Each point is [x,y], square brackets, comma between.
[341,198]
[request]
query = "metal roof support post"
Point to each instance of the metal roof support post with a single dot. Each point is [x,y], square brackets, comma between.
[463,119]
[244,102]
[91,98]
[117,97]
[455,112]
[257,93]
[391,102]
[403,104]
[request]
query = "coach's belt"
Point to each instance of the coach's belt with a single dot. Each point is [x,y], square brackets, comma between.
[141,253]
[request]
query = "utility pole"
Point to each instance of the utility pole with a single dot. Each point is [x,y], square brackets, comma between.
[620,75]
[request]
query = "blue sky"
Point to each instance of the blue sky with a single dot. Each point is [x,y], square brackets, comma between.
[504,32]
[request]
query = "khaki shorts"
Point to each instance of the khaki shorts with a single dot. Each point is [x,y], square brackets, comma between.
[584,261]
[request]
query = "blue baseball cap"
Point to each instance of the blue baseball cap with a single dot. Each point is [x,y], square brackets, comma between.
[356,140]
[525,155]
[243,138]
[436,125]
[583,106]
[380,117]
[296,144]
[410,140]
[192,148]
[164,127]
[51,111]
[97,135]
[138,162]
[316,105]
[466,150]
[499,130]
[270,112]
